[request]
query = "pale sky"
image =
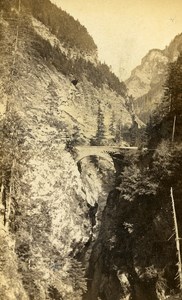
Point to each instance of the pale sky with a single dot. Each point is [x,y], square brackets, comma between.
[125,30]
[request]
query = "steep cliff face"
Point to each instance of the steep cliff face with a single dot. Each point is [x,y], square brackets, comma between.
[37,71]
[50,89]
[147,80]
[138,252]
[134,256]
[61,237]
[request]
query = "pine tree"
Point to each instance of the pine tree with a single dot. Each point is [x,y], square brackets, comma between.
[174,86]
[172,100]
[133,133]
[76,135]
[169,111]
[112,128]
[74,139]
[118,132]
[100,135]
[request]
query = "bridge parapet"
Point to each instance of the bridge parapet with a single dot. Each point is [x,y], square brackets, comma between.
[101,151]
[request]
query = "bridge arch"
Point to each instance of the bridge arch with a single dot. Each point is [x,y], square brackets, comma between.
[104,156]
[89,151]
[112,154]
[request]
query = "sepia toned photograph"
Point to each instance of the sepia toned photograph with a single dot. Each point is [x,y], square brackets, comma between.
[90,150]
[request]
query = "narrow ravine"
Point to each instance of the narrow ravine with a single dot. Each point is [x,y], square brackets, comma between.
[98,177]
[85,206]
[129,259]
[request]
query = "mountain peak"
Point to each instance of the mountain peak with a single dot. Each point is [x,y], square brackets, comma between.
[146,81]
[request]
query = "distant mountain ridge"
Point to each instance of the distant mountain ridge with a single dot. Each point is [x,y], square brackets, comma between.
[146,81]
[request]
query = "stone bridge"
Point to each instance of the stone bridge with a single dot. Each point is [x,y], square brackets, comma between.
[110,153]
[113,154]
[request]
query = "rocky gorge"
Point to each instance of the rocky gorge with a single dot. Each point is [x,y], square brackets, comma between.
[97,229]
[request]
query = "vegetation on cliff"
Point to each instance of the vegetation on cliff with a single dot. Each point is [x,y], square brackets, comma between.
[72,35]
[45,202]
[60,23]
[135,255]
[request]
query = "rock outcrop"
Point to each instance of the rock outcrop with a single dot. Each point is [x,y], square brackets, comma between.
[51,86]
[147,80]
